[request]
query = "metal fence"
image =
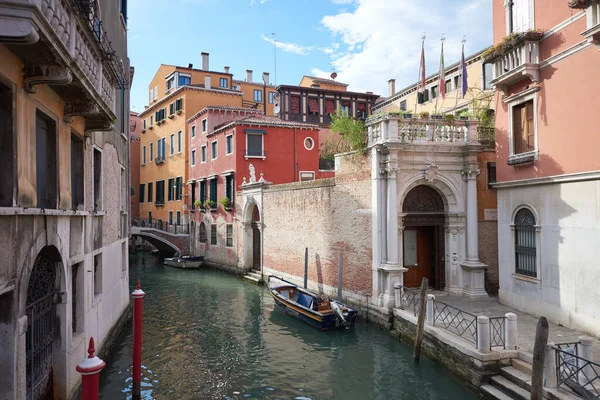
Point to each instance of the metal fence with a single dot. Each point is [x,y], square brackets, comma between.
[409,300]
[182,229]
[455,320]
[497,332]
[576,373]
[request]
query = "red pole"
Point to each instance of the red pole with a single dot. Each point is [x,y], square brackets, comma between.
[90,369]
[138,296]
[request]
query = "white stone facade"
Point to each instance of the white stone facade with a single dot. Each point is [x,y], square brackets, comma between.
[566,288]
[406,154]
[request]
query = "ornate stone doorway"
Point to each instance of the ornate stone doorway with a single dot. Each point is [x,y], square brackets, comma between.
[41,325]
[256,247]
[423,237]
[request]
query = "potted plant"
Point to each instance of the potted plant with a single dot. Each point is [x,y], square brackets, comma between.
[407,114]
[171,116]
[424,115]
[178,112]
[209,204]
[225,202]
[449,117]
[198,204]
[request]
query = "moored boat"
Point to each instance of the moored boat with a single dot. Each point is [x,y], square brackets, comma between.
[315,309]
[185,261]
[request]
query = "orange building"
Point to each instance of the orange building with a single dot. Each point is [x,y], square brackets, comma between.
[257,95]
[174,95]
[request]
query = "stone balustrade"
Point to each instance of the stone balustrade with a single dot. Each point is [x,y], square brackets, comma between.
[78,44]
[516,63]
[397,129]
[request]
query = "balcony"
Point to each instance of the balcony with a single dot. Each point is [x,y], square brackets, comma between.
[515,58]
[385,129]
[62,44]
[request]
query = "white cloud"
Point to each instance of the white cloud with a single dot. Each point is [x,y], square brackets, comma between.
[381,39]
[289,47]
[342,1]
[330,49]
[253,2]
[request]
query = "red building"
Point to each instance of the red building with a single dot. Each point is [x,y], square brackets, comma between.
[221,153]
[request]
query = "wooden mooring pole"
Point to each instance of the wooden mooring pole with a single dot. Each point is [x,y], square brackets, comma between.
[339,293]
[305,267]
[421,320]
[539,354]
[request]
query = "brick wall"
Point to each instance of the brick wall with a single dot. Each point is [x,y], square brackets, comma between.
[326,216]
[488,254]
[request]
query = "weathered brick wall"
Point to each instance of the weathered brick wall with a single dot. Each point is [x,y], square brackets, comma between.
[219,254]
[326,216]
[488,254]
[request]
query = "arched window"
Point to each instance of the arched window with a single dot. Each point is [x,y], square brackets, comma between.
[525,243]
[202,233]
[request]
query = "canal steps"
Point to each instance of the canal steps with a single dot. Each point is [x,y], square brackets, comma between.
[253,276]
[514,383]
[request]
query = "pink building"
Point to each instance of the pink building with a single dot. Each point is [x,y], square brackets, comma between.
[224,142]
[545,69]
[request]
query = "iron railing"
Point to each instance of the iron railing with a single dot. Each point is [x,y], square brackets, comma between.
[455,320]
[181,229]
[409,300]
[576,373]
[497,332]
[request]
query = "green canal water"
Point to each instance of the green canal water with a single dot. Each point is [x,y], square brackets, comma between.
[210,335]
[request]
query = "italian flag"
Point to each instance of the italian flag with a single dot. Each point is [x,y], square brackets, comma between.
[442,74]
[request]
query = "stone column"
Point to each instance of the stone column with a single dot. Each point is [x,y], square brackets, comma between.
[392,268]
[376,226]
[473,269]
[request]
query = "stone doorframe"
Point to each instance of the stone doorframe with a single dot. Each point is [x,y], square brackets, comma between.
[251,197]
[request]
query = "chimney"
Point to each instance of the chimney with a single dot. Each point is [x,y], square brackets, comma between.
[248,75]
[392,86]
[190,65]
[207,82]
[266,77]
[226,70]
[204,61]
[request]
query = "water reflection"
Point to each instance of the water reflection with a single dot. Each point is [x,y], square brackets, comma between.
[209,335]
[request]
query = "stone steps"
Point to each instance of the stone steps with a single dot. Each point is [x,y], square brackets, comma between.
[254,277]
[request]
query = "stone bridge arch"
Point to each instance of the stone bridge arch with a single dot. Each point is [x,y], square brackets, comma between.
[166,243]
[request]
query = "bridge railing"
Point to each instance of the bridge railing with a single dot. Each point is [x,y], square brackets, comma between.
[181,229]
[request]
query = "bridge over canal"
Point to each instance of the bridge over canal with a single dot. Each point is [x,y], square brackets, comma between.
[167,238]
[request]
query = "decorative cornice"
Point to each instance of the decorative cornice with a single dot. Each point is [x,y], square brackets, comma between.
[549,180]
[47,74]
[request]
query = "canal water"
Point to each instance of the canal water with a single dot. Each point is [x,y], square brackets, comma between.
[210,335]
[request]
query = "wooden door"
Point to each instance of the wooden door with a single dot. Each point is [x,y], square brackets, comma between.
[417,255]
[255,248]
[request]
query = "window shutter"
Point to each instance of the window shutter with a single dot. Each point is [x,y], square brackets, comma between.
[517,131]
[295,104]
[313,105]
[530,135]
[254,145]
[329,107]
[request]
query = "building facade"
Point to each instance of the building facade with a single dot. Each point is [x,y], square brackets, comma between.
[135,131]
[176,94]
[548,183]
[257,95]
[64,190]
[222,154]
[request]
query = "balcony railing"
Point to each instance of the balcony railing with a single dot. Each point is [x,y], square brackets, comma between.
[517,60]
[72,53]
[393,128]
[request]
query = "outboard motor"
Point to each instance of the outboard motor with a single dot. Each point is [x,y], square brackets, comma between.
[338,312]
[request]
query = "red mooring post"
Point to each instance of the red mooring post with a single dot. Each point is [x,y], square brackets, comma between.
[90,369]
[138,296]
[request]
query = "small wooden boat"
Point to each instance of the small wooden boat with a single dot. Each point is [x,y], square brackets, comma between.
[185,261]
[316,309]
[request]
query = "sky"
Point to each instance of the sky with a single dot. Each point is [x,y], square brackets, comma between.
[367,42]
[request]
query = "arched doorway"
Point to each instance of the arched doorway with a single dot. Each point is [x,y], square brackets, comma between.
[256,247]
[423,237]
[41,324]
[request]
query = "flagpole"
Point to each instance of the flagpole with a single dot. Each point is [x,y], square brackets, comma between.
[421,65]
[461,70]
[439,75]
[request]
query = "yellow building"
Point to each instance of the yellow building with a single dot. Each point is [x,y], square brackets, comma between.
[174,95]
[257,94]
[321,83]
[479,93]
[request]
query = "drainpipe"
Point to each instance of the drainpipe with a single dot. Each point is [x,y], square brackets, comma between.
[295,161]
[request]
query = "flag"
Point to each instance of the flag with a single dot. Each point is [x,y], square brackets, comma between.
[422,67]
[442,74]
[463,72]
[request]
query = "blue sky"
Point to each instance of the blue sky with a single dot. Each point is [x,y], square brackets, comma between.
[366,41]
